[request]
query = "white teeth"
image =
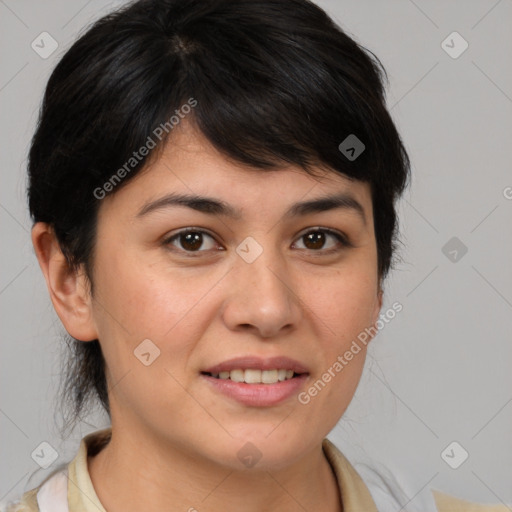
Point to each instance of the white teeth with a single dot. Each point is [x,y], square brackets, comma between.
[251,376]
[237,375]
[269,376]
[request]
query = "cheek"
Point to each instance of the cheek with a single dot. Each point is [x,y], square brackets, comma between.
[344,302]
[151,301]
[145,300]
[134,303]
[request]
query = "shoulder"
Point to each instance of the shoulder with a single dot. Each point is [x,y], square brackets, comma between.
[45,496]
[447,503]
[55,485]
[386,493]
[27,503]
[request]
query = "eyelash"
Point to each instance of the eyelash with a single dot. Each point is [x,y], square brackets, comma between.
[342,239]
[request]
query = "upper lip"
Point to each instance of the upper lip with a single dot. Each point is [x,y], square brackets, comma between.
[258,363]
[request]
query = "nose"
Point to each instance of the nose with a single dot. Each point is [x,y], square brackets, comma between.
[261,297]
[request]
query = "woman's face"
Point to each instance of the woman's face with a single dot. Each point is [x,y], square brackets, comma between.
[255,285]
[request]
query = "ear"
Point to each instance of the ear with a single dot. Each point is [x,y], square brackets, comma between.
[378,305]
[376,310]
[69,289]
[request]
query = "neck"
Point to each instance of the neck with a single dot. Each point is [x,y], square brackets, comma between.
[127,478]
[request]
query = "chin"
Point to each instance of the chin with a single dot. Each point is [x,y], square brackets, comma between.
[261,450]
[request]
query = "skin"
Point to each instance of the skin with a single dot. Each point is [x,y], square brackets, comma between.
[175,439]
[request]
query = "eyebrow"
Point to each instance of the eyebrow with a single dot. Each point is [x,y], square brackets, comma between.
[212,206]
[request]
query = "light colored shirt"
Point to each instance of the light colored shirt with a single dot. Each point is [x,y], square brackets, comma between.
[71,490]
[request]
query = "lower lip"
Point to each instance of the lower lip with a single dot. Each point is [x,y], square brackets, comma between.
[258,395]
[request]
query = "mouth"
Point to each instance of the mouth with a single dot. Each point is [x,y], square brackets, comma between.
[257,382]
[256,376]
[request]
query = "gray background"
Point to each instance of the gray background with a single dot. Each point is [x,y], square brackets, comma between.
[440,371]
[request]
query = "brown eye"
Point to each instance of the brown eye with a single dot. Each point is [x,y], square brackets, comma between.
[317,239]
[314,240]
[191,241]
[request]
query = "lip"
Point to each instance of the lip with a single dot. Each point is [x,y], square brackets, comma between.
[257,395]
[258,363]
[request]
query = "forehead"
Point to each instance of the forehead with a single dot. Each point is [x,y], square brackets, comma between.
[189,165]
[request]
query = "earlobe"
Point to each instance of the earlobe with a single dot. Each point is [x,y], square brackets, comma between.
[378,307]
[68,288]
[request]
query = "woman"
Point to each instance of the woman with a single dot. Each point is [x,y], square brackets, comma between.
[213,188]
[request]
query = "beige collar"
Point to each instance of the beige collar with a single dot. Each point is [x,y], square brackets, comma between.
[354,493]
